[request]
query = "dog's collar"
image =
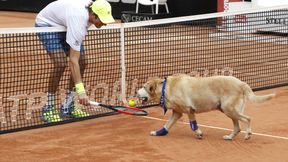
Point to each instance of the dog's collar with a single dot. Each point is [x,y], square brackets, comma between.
[162,98]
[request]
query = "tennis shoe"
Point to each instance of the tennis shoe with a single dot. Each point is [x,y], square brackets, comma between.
[77,112]
[66,106]
[50,115]
[70,109]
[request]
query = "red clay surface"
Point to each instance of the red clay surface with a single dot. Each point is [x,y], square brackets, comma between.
[126,138]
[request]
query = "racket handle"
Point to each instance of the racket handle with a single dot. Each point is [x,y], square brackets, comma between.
[94,103]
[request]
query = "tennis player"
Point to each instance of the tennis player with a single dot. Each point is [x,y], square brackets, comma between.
[67,49]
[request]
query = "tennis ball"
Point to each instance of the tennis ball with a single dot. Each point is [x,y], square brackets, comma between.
[132,103]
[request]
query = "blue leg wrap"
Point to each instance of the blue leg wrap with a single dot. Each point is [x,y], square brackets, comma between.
[193,125]
[161,132]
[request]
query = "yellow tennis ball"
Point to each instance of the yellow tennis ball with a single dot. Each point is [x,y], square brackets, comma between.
[132,103]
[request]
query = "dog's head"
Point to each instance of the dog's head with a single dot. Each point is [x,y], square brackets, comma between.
[151,90]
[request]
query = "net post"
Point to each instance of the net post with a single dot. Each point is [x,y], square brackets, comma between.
[123,68]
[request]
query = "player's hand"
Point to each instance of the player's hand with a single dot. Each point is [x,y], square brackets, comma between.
[83,99]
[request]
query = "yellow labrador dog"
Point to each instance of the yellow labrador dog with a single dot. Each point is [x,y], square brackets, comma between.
[190,95]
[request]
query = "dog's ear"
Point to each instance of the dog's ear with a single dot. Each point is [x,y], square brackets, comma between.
[152,86]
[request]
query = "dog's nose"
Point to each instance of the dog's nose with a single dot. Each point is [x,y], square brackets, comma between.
[142,95]
[138,95]
[145,99]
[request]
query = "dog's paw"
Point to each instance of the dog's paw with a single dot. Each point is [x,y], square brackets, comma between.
[160,132]
[153,133]
[198,134]
[228,137]
[248,136]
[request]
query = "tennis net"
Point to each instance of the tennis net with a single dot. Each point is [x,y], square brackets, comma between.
[250,45]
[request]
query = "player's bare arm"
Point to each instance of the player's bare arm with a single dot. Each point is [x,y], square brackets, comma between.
[76,75]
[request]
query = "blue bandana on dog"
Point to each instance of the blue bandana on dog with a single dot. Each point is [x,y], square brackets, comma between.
[162,98]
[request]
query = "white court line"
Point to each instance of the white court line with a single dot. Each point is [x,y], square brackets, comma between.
[226,129]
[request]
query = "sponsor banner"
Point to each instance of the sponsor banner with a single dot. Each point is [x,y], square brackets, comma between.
[130,16]
[270,21]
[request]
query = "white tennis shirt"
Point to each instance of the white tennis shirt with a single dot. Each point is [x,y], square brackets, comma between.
[71,14]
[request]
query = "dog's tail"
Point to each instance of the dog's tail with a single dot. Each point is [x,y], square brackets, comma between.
[255,98]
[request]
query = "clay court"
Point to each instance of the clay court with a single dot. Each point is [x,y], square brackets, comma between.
[126,138]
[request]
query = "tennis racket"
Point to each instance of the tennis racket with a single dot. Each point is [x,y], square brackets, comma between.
[122,109]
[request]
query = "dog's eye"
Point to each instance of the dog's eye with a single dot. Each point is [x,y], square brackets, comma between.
[145,87]
[150,89]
